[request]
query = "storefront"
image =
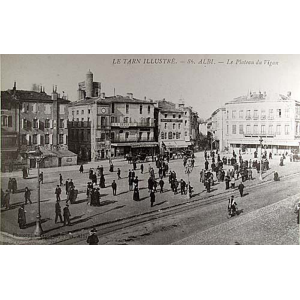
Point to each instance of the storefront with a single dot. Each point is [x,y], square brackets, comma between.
[121,149]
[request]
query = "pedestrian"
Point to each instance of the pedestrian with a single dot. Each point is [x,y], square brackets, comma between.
[232,183]
[60,180]
[114,187]
[58,212]
[276,176]
[22,217]
[136,181]
[92,238]
[152,197]
[206,165]
[81,169]
[24,171]
[42,177]
[101,171]
[14,185]
[130,183]
[97,197]
[10,185]
[27,195]
[67,215]
[67,186]
[150,184]
[161,184]
[182,186]
[57,193]
[119,173]
[111,167]
[136,194]
[71,196]
[241,189]
[7,199]
[227,180]
[102,181]
[129,173]
[142,168]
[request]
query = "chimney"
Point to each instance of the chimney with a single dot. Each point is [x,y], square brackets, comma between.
[54,94]
[130,95]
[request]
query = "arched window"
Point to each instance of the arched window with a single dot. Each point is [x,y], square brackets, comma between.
[170,135]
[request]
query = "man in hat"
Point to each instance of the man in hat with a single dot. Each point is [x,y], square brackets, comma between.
[114,187]
[27,195]
[92,238]
[58,212]
[60,180]
[119,173]
[241,189]
[152,197]
[57,193]
[67,186]
[67,215]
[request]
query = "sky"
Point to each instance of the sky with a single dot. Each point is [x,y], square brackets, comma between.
[205,82]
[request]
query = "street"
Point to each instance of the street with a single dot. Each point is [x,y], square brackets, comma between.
[176,228]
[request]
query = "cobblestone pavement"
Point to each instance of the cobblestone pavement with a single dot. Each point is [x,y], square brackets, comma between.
[112,208]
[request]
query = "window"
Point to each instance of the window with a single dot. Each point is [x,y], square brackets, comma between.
[287,129]
[170,135]
[287,112]
[174,135]
[227,129]
[241,129]
[263,129]
[255,114]
[278,129]
[270,129]
[233,114]
[77,119]
[179,116]
[82,119]
[179,125]
[77,112]
[166,115]
[255,129]
[82,111]
[127,108]
[248,129]
[34,108]
[162,135]
[279,113]
[126,120]
[61,138]
[271,114]
[241,114]
[185,134]
[88,119]
[73,113]
[102,136]
[149,109]
[35,123]
[248,114]
[177,135]
[112,136]
[263,114]
[140,135]
[127,135]
[165,125]
[233,129]
[174,116]
[4,120]
[9,122]
[166,135]
[227,114]
[185,122]
[34,140]
[148,136]
[46,139]
[47,109]
[24,141]
[174,125]
[61,123]
[62,109]
[89,111]
[141,109]
[47,123]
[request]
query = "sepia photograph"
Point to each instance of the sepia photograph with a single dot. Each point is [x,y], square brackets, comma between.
[136,149]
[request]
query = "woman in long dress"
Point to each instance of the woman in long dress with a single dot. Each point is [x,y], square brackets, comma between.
[136,193]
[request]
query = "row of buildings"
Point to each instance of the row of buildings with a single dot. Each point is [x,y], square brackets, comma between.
[241,123]
[92,128]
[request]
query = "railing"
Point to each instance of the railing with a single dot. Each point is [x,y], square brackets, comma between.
[132,139]
[134,124]
[267,135]
[80,123]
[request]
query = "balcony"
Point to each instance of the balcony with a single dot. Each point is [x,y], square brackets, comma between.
[132,139]
[146,123]
[80,124]
[257,135]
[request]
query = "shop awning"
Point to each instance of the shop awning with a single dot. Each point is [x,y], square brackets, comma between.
[177,144]
[146,145]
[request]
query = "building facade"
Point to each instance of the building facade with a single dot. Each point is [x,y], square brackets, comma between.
[38,121]
[217,129]
[102,127]
[275,118]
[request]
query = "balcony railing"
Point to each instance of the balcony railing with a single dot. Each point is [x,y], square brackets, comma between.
[132,139]
[80,123]
[145,123]
[267,135]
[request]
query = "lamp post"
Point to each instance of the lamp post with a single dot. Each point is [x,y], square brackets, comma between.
[260,173]
[188,170]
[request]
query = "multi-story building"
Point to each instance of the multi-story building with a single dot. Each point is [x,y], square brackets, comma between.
[275,118]
[102,127]
[217,128]
[37,120]
[174,131]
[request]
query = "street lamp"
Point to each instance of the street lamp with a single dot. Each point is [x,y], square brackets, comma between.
[38,157]
[188,170]
[260,173]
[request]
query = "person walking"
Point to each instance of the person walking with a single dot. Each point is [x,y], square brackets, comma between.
[232,183]
[58,212]
[7,199]
[152,197]
[119,173]
[142,168]
[136,194]
[22,217]
[241,189]
[27,195]
[114,187]
[92,238]
[57,193]
[81,169]
[67,215]
[102,181]
[161,184]
[67,186]
[60,180]
[130,183]
[206,165]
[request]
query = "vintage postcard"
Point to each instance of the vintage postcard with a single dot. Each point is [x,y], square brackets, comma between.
[150,149]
